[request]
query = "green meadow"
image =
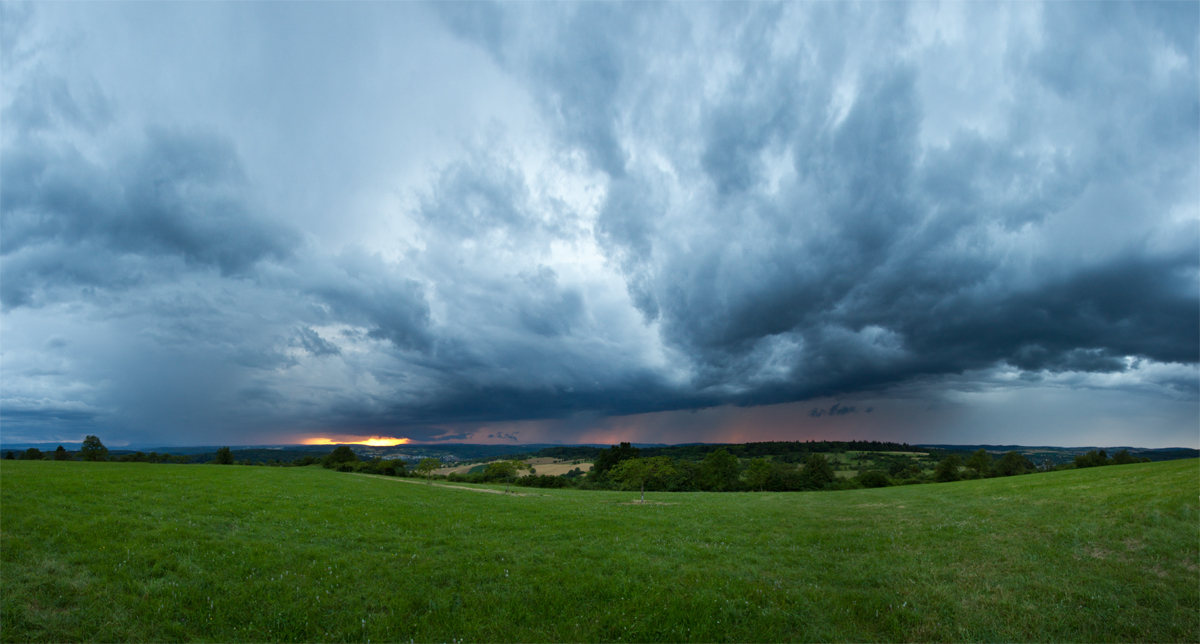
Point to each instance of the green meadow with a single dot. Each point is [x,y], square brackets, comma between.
[110,552]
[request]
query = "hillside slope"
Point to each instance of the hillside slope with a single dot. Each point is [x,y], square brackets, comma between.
[141,552]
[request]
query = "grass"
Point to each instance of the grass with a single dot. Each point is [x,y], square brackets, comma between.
[139,552]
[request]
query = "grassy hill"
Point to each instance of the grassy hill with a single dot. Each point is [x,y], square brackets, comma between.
[142,552]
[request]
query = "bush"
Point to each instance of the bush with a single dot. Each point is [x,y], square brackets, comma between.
[817,472]
[1124,458]
[1012,464]
[719,471]
[544,481]
[980,463]
[224,457]
[1092,459]
[873,479]
[947,470]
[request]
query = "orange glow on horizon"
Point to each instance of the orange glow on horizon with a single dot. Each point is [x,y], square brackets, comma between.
[358,440]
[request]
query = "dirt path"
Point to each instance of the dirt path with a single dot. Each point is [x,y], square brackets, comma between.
[456,487]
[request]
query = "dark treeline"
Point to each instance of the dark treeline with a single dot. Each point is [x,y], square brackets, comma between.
[773,466]
[722,469]
[705,468]
[94,450]
[786,451]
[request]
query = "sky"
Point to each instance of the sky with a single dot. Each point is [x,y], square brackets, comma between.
[266,223]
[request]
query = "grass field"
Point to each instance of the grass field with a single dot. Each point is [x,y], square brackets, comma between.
[544,465]
[140,552]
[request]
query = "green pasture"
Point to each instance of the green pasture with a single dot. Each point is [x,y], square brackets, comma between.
[110,552]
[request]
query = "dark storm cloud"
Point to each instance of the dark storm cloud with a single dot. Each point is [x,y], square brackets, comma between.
[686,206]
[877,263]
[836,410]
[66,220]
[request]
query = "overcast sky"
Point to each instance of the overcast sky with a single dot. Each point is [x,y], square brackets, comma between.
[257,223]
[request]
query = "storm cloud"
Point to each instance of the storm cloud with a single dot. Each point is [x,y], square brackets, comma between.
[442,221]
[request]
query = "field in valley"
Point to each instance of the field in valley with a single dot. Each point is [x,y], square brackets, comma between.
[143,552]
[543,465]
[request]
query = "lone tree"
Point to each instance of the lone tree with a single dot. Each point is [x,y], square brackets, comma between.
[61,454]
[636,471]
[93,450]
[33,454]
[224,456]
[507,470]
[427,466]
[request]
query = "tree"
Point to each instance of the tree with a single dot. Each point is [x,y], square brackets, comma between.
[1092,459]
[817,472]
[947,470]
[719,471]
[224,456]
[33,454]
[873,478]
[608,458]
[392,467]
[1012,464]
[981,462]
[340,454]
[427,466]
[93,450]
[757,473]
[61,454]
[10,456]
[506,470]
[1123,457]
[637,471]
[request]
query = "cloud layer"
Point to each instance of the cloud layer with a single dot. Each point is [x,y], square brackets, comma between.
[423,221]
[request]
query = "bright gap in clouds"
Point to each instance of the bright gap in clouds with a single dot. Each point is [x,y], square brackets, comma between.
[357,440]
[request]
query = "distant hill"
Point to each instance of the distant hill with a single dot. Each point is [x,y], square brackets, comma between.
[1059,455]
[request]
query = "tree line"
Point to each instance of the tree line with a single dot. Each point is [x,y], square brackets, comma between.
[624,466]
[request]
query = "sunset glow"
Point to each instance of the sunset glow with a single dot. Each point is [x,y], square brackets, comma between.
[357,440]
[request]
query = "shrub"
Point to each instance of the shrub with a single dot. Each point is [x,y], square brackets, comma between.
[980,463]
[947,470]
[1092,459]
[1124,458]
[873,478]
[1012,464]
[817,472]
